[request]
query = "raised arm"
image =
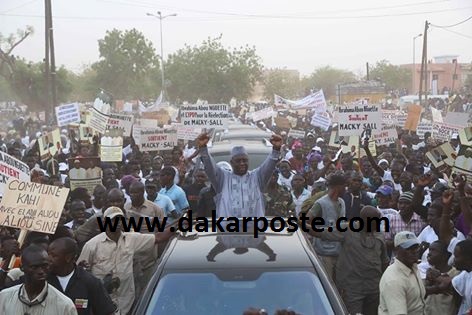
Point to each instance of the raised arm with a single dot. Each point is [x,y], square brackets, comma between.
[264,171]
[371,159]
[445,231]
[214,173]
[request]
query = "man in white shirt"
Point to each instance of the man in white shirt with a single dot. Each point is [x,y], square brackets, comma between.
[35,296]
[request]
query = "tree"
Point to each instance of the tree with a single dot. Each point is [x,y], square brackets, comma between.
[212,72]
[394,77]
[129,66]
[283,82]
[327,78]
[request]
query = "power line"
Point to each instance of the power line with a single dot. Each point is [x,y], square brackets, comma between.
[457,33]
[452,25]
[149,5]
[249,17]
[19,6]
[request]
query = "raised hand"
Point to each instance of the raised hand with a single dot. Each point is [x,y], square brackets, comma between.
[277,142]
[202,140]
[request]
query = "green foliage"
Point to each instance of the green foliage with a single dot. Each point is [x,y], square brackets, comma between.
[28,84]
[285,83]
[394,77]
[212,72]
[327,78]
[129,66]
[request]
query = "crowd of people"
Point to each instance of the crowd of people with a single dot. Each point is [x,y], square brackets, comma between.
[422,265]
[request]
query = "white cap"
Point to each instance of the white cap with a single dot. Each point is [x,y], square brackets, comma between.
[319,140]
[405,239]
[112,212]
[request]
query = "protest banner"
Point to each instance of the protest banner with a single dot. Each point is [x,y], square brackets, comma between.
[465,136]
[49,144]
[10,167]
[85,172]
[353,120]
[67,114]
[32,206]
[263,114]
[386,136]
[457,119]
[443,131]
[209,115]
[97,120]
[321,120]
[86,134]
[111,146]
[413,118]
[436,114]
[389,117]
[120,121]
[157,139]
[315,101]
[424,127]
[440,155]
[296,134]
[186,132]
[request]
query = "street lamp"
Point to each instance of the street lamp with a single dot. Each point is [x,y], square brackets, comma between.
[161,17]
[414,65]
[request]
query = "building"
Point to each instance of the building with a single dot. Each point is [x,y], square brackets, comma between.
[445,74]
[371,91]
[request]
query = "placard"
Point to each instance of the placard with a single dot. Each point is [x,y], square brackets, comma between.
[147,123]
[67,114]
[160,117]
[97,121]
[386,136]
[120,121]
[157,139]
[440,155]
[187,133]
[436,114]
[424,127]
[413,118]
[443,132]
[263,114]
[210,115]
[296,134]
[49,144]
[321,120]
[465,136]
[111,146]
[11,167]
[458,119]
[282,122]
[85,172]
[32,206]
[353,120]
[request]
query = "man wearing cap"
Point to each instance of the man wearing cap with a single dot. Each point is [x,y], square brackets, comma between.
[405,220]
[110,254]
[384,196]
[241,190]
[401,288]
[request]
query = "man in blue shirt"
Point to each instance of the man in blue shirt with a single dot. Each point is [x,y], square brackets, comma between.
[171,190]
[163,201]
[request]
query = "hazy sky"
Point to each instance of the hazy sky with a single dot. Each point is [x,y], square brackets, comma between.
[297,34]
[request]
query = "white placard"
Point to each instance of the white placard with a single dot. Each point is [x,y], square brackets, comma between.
[209,115]
[321,120]
[263,114]
[424,127]
[386,136]
[10,167]
[67,114]
[296,134]
[353,120]
[157,139]
[443,132]
[316,101]
[122,122]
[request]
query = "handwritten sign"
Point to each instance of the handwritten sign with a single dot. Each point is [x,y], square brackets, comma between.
[187,133]
[157,139]
[424,127]
[443,132]
[386,136]
[353,120]
[67,114]
[296,134]
[32,206]
[12,168]
[204,115]
[119,121]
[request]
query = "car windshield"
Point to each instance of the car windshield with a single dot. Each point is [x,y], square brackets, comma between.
[207,294]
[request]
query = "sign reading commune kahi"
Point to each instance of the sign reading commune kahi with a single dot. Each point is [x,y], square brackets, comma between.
[32,206]
[353,120]
[204,115]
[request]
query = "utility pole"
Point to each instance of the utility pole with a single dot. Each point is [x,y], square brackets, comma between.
[47,106]
[424,66]
[53,62]
[367,66]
